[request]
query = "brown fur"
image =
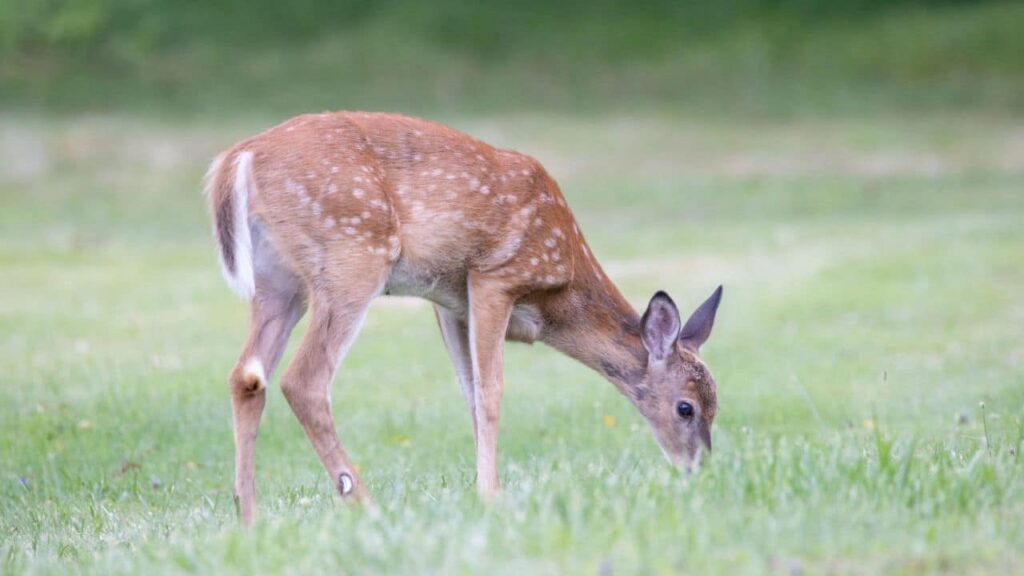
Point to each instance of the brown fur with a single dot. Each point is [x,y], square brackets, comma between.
[344,207]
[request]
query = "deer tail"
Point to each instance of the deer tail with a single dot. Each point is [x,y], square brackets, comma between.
[228,185]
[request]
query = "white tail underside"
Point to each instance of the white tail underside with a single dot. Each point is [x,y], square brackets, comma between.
[241,281]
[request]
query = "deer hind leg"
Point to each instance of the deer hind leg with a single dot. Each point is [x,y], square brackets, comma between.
[337,315]
[455,333]
[276,307]
[490,308]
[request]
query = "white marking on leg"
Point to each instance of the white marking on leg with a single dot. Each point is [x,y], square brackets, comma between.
[345,484]
[253,370]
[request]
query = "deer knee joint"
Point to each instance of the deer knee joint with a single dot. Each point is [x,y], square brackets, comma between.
[489,408]
[249,378]
[299,395]
[290,388]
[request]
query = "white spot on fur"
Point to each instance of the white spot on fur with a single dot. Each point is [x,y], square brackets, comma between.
[359,193]
[550,242]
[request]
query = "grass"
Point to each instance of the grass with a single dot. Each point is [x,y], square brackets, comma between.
[873,280]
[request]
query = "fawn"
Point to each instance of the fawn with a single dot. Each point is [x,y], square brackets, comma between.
[329,211]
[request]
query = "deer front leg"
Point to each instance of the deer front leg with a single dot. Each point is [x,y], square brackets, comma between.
[489,310]
[307,385]
[455,334]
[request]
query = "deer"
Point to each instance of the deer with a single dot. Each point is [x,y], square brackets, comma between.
[326,212]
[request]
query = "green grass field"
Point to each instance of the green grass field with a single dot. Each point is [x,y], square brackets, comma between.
[873,274]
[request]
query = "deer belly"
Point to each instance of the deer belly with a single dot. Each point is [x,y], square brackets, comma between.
[443,286]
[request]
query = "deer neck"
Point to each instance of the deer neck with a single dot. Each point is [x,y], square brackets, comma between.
[597,326]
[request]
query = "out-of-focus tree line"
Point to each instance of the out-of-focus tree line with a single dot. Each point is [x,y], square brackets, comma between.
[623,28]
[558,51]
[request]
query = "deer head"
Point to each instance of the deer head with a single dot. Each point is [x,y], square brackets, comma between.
[676,393]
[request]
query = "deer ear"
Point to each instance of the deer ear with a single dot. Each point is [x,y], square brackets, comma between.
[659,327]
[698,327]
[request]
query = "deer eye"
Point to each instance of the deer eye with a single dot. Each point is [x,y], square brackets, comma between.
[684,409]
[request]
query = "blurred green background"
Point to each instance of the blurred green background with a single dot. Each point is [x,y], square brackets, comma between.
[852,171]
[461,56]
